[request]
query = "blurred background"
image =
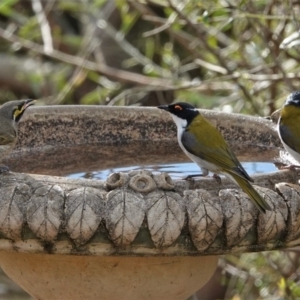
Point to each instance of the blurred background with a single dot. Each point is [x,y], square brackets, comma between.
[233,56]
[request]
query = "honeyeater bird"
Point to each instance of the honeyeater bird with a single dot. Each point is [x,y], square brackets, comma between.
[205,145]
[289,125]
[10,114]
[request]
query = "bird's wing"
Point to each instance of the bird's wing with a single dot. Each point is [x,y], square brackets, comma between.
[292,139]
[216,151]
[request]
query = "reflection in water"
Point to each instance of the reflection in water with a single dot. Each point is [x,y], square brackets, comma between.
[61,161]
[176,171]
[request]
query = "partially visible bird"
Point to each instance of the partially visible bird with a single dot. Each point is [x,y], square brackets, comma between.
[205,145]
[289,125]
[10,114]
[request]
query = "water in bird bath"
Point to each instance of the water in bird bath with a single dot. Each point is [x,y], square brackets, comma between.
[176,170]
[98,161]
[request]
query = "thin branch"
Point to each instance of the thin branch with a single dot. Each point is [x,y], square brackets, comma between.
[130,49]
[172,18]
[216,53]
[183,38]
[113,73]
[268,77]
[44,25]
[210,67]
[265,34]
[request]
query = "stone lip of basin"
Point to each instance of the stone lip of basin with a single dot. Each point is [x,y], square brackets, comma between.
[59,140]
[138,213]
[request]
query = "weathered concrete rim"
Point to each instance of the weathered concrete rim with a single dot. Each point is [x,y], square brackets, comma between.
[135,117]
[55,139]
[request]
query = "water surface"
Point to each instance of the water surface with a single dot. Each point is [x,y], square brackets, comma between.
[176,171]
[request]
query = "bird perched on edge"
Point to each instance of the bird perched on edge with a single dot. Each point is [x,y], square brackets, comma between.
[288,125]
[205,145]
[10,114]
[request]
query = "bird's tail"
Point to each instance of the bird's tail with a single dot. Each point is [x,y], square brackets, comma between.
[256,198]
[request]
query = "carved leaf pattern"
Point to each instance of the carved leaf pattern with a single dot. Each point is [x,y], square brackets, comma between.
[291,194]
[272,225]
[125,215]
[205,217]
[45,212]
[12,217]
[239,213]
[43,206]
[165,216]
[84,209]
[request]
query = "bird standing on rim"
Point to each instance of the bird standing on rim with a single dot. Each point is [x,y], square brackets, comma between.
[10,114]
[289,125]
[205,145]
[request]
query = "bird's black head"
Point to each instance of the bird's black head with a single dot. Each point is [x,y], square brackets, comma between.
[181,110]
[293,99]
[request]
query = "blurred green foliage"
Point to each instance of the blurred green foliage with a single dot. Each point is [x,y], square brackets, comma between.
[264,275]
[226,55]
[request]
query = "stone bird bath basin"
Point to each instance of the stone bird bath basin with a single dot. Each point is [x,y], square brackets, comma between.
[136,235]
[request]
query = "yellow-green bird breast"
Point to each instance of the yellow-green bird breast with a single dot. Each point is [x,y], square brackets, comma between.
[290,116]
[204,141]
[289,126]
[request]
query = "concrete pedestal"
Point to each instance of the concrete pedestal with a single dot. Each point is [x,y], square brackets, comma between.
[48,277]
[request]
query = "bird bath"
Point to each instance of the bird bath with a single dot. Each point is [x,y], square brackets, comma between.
[134,235]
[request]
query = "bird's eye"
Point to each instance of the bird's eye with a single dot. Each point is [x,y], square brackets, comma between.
[178,107]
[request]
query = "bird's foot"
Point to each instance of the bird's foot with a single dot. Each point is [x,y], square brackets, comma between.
[190,177]
[215,176]
[218,178]
[290,167]
[4,169]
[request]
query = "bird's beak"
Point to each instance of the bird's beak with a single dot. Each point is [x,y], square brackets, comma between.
[27,103]
[164,107]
